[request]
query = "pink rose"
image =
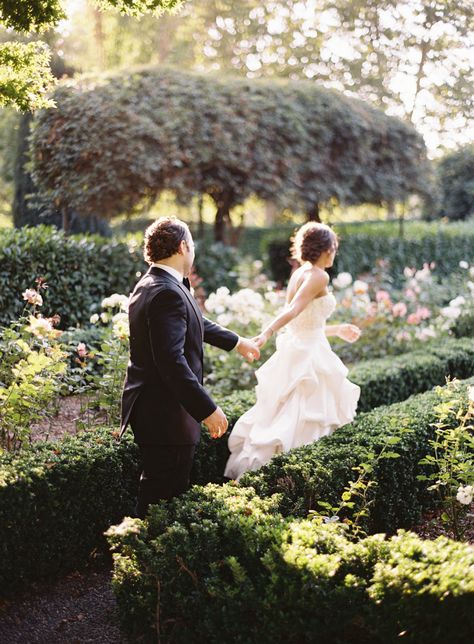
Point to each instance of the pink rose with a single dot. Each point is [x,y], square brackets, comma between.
[399,310]
[413,318]
[81,350]
[382,296]
[423,312]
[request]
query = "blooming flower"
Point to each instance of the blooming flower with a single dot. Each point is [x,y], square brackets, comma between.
[423,312]
[120,326]
[399,310]
[425,334]
[33,297]
[360,287]
[465,494]
[115,300]
[343,280]
[81,350]
[451,312]
[458,301]
[94,318]
[382,296]
[413,318]
[463,264]
[40,326]
[409,272]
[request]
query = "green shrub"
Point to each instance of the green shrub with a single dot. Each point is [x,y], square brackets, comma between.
[359,251]
[388,380]
[456,184]
[221,560]
[80,271]
[57,499]
[320,471]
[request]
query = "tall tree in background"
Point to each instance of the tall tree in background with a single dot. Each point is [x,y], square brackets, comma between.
[409,57]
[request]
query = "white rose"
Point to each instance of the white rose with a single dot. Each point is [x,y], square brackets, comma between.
[463,264]
[458,301]
[94,318]
[451,312]
[343,280]
[465,494]
[360,287]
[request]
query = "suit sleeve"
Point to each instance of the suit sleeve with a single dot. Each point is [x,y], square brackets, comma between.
[167,324]
[218,336]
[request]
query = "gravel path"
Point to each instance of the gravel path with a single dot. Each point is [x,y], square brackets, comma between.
[77,609]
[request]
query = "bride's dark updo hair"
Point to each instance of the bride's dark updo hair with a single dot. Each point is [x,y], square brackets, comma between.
[311,240]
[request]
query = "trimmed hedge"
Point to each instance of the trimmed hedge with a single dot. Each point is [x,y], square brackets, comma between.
[320,471]
[57,499]
[446,245]
[222,560]
[48,524]
[80,272]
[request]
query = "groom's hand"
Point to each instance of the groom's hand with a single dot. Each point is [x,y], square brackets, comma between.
[216,423]
[248,349]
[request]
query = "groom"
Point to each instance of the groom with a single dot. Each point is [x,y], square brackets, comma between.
[163,397]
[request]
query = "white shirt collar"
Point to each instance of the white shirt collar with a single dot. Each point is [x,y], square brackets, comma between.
[172,271]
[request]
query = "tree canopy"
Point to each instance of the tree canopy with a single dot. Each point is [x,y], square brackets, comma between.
[116,140]
[25,77]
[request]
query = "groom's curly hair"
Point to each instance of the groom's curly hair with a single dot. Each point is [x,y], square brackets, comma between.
[163,237]
[311,240]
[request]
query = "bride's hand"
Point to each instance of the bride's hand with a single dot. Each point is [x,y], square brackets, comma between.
[260,340]
[349,332]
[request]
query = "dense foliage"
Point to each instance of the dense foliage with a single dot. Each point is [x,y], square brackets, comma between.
[456,184]
[112,143]
[79,271]
[243,566]
[360,251]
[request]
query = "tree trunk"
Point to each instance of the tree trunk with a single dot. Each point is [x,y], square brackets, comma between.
[200,228]
[24,213]
[391,214]
[312,214]
[66,221]
[223,202]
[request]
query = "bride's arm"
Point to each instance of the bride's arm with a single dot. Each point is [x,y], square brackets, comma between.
[312,285]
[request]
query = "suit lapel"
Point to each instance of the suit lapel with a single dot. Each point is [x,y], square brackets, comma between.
[154,270]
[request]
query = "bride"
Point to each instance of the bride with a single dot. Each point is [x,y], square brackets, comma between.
[302,391]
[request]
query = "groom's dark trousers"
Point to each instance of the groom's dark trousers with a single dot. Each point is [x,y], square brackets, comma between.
[163,398]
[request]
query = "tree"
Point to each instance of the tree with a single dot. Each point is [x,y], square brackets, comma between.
[410,57]
[456,184]
[25,77]
[116,140]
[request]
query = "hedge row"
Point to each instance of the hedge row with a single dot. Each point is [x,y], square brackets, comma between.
[46,492]
[57,499]
[80,271]
[220,562]
[320,471]
[359,253]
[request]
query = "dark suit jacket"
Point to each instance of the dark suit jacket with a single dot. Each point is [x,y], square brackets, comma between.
[167,331]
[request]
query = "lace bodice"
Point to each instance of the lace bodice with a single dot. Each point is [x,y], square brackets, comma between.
[314,316]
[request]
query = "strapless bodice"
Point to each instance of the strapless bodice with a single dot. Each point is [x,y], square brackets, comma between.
[314,316]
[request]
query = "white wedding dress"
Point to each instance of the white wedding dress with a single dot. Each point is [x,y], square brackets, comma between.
[302,394]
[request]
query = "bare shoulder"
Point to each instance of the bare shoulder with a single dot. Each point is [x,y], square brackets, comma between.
[317,277]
